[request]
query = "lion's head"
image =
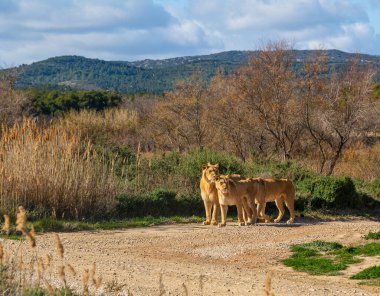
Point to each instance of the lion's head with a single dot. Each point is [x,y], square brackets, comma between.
[210,171]
[223,183]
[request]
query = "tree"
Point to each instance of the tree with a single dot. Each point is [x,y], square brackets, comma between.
[268,85]
[337,107]
[181,117]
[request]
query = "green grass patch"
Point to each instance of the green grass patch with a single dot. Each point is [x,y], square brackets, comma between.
[319,257]
[12,237]
[316,266]
[372,235]
[45,225]
[368,273]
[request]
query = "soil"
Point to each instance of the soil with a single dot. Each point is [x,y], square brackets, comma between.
[193,259]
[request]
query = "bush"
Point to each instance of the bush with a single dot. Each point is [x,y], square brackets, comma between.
[335,192]
[159,202]
[191,163]
[57,102]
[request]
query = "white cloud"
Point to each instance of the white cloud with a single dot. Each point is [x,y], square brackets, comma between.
[32,30]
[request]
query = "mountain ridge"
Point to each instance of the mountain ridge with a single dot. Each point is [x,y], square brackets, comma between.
[149,75]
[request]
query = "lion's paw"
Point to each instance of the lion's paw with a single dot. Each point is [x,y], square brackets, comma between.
[206,223]
[290,221]
[222,225]
[213,222]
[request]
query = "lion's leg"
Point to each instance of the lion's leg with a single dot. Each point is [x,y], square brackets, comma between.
[208,208]
[290,206]
[281,209]
[247,213]
[224,210]
[254,214]
[239,208]
[215,214]
[261,211]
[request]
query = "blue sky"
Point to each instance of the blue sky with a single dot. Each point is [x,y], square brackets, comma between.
[33,30]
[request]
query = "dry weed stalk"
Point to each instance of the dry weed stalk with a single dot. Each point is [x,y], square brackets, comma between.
[7,225]
[61,273]
[1,253]
[72,270]
[185,289]
[85,280]
[268,285]
[161,286]
[59,246]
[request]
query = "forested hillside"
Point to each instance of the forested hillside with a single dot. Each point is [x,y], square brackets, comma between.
[152,76]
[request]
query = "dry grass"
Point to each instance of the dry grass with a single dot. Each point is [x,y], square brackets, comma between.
[112,125]
[360,162]
[24,270]
[50,171]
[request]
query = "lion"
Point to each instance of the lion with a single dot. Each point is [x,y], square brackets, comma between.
[209,193]
[239,192]
[280,191]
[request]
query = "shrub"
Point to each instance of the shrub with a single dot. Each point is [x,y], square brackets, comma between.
[57,102]
[191,163]
[159,202]
[336,192]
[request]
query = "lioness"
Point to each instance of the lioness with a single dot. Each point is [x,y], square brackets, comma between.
[280,191]
[241,193]
[209,193]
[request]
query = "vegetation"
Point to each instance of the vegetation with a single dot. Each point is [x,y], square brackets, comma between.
[98,156]
[372,235]
[57,103]
[321,257]
[149,75]
[368,273]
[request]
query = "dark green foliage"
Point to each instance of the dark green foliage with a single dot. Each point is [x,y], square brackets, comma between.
[58,102]
[372,235]
[368,273]
[332,192]
[191,164]
[159,202]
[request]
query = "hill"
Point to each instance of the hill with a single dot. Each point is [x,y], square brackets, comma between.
[153,76]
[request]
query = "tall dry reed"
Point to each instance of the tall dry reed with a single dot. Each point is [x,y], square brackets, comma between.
[50,170]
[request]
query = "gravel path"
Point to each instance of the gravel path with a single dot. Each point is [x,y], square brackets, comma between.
[192,259]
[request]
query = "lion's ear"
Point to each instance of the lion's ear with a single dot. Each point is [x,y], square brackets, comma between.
[217,178]
[217,165]
[204,166]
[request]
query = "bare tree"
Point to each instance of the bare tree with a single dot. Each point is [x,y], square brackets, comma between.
[14,104]
[269,87]
[337,107]
[236,129]
[181,117]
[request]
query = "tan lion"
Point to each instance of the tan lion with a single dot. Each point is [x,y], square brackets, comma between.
[280,191]
[241,193]
[209,193]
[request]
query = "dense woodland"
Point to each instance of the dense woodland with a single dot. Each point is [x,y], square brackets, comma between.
[89,153]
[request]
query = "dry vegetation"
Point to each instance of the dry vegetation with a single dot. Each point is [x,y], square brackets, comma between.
[50,169]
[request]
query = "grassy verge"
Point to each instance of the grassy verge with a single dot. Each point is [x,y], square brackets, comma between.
[45,225]
[327,258]
[372,235]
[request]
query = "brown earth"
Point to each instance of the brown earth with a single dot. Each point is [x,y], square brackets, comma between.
[193,259]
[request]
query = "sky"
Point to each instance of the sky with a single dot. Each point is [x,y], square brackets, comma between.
[129,30]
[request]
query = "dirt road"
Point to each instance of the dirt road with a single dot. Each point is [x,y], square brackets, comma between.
[193,259]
